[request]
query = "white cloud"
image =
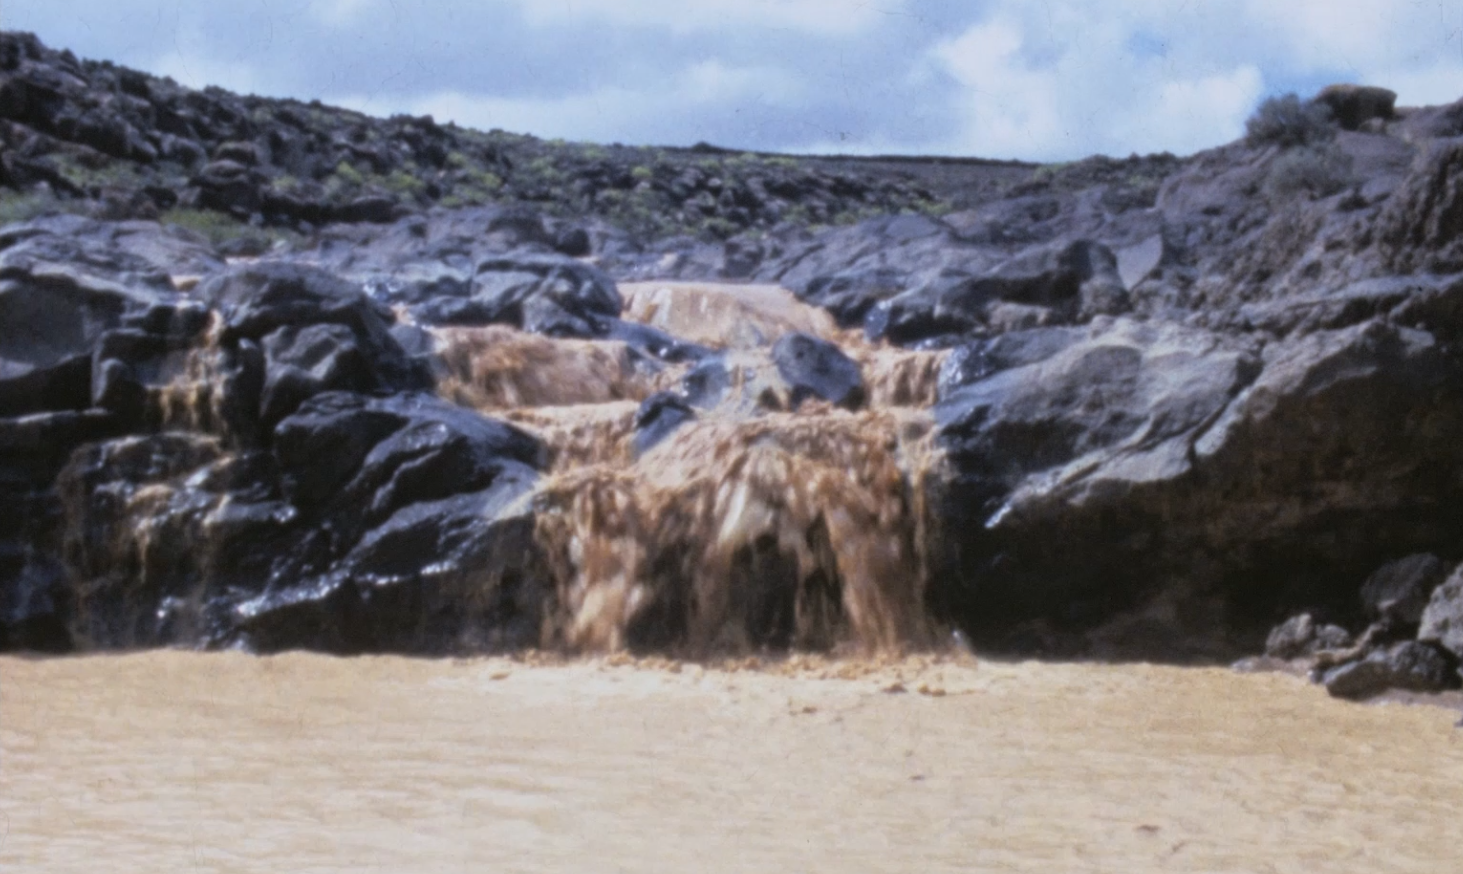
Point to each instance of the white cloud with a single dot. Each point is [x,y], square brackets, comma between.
[340,13]
[606,113]
[817,16]
[1068,84]
[197,69]
[1362,35]
[1051,80]
[1439,83]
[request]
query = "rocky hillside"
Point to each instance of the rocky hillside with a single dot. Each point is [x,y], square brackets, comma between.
[275,375]
[91,137]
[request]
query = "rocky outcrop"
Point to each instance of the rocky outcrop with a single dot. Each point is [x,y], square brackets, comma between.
[1354,105]
[1410,666]
[1155,408]
[111,140]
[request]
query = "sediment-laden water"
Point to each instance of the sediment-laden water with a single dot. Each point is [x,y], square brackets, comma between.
[764,520]
[173,761]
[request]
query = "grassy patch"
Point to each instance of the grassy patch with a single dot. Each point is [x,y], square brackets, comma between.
[21,207]
[219,228]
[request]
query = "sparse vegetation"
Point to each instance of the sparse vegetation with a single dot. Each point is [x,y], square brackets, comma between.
[219,228]
[1287,122]
[702,191]
[22,207]
[348,174]
[1315,171]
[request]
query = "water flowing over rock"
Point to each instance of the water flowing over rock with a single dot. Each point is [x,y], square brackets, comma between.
[422,397]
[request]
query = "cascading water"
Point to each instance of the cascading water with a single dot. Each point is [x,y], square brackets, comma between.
[760,522]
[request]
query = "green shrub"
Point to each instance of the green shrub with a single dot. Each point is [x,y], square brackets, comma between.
[216,226]
[1286,122]
[18,207]
[642,173]
[1313,171]
[402,182]
[349,174]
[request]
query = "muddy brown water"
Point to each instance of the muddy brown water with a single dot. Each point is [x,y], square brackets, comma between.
[762,521]
[178,761]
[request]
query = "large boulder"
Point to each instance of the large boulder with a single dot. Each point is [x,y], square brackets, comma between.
[289,332]
[1043,286]
[1352,106]
[374,523]
[61,290]
[541,292]
[460,574]
[815,368]
[1301,636]
[1442,619]
[1408,666]
[1258,476]
[1398,591]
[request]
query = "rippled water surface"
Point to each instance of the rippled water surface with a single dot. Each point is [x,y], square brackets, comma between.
[176,761]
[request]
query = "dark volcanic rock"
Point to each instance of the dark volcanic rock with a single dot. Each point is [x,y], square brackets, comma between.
[371,455]
[543,292]
[1300,636]
[67,288]
[1442,619]
[1049,285]
[1421,227]
[376,523]
[1142,443]
[850,295]
[1409,666]
[290,332]
[557,296]
[1354,105]
[455,575]
[814,368]
[659,415]
[1399,590]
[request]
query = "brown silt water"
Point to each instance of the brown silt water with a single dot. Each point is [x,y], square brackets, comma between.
[803,714]
[172,761]
[759,524]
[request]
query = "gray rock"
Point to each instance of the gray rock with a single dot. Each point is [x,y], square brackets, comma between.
[1442,619]
[1354,105]
[1300,636]
[374,524]
[1409,666]
[1137,444]
[815,368]
[1399,590]
[658,416]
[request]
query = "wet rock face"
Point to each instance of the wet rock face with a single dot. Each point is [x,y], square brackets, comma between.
[1138,444]
[1143,408]
[365,507]
[814,368]
[1302,636]
[658,416]
[1399,591]
[1442,618]
[1409,666]
[290,332]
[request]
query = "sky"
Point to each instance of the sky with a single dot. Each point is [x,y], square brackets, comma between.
[1044,80]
